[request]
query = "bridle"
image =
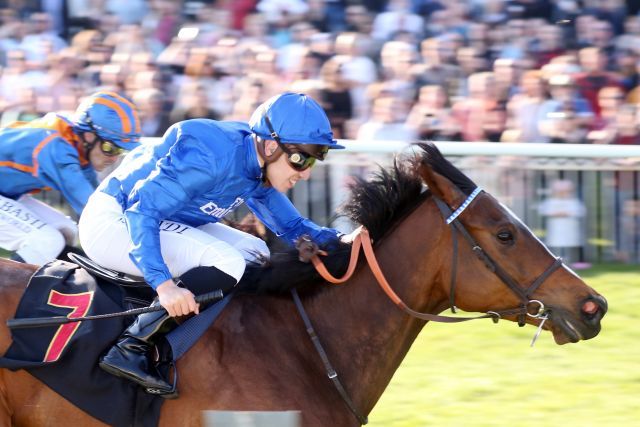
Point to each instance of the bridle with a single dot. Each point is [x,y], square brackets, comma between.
[530,307]
[451,218]
[525,295]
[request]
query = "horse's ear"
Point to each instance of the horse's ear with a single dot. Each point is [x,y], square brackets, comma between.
[440,186]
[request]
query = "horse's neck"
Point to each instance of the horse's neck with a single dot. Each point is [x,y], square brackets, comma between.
[368,335]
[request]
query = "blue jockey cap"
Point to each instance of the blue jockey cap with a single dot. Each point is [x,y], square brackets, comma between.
[112,117]
[293,118]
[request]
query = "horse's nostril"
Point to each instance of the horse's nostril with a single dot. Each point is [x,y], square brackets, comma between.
[590,307]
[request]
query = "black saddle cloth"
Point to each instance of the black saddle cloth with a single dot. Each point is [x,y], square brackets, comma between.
[65,357]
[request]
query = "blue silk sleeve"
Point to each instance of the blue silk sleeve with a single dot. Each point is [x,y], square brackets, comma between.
[277,212]
[186,171]
[59,167]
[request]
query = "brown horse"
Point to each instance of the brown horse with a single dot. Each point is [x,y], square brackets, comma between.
[258,355]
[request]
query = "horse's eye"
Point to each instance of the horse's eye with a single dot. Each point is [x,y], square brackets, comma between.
[505,237]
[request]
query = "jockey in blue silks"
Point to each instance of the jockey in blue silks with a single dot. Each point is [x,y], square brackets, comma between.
[157,215]
[61,153]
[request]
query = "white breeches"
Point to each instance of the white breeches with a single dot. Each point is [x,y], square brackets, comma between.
[105,239]
[35,230]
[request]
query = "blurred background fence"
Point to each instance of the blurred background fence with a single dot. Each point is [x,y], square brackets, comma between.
[606,180]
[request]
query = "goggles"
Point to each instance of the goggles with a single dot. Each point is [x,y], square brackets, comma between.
[298,159]
[110,149]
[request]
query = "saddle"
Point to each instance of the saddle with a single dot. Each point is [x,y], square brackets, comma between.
[65,357]
[137,293]
[113,276]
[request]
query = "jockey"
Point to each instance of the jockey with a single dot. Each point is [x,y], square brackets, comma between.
[157,215]
[61,153]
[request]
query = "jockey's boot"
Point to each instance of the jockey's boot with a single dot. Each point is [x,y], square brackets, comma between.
[130,358]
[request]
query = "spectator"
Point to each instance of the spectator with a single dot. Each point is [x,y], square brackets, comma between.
[41,39]
[525,110]
[289,55]
[11,33]
[622,130]
[431,116]
[625,59]
[516,44]
[610,99]
[595,76]
[436,67]
[507,74]
[387,121]
[335,97]
[24,110]
[358,19]
[256,30]
[196,105]
[154,119]
[550,44]
[480,116]
[397,59]
[358,70]
[63,88]
[566,116]
[398,17]
[564,211]
[128,11]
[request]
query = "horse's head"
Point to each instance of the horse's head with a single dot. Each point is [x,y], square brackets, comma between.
[501,264]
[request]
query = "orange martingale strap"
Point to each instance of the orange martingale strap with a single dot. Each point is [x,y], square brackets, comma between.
[363,239]
[377,272]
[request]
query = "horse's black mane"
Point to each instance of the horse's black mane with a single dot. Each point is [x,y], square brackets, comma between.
[377,203]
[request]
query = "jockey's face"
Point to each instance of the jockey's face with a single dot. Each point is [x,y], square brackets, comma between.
[98,159]
[280,174]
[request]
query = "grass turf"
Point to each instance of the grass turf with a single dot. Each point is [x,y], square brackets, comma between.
[479,374]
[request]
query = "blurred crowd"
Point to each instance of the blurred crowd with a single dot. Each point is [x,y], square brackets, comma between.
[466,70]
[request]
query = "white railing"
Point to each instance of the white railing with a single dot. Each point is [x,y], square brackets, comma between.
[607,180]
[606,177]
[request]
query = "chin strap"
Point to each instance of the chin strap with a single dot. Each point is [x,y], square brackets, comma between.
[86,145]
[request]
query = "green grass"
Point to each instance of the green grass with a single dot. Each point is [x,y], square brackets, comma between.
[480,374]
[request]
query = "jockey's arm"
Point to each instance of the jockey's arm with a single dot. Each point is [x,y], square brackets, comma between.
[59,168]
[277,212]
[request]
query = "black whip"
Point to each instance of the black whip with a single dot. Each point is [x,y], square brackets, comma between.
[37,322]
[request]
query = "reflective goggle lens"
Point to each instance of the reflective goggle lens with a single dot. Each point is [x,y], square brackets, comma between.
[110,149]
[300,161]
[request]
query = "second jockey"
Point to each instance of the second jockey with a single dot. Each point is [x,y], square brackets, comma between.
[61,153]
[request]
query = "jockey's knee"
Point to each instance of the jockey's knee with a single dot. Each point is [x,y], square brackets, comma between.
[42,246]
[233,263]
[253,249]
[203,279]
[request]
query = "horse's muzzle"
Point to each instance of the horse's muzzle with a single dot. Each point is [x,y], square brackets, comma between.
[572,327]
[593,309]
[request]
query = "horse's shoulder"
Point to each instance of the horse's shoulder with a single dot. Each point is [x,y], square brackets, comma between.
[15,274]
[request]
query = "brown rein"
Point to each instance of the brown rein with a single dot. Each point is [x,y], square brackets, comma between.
[363,240]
